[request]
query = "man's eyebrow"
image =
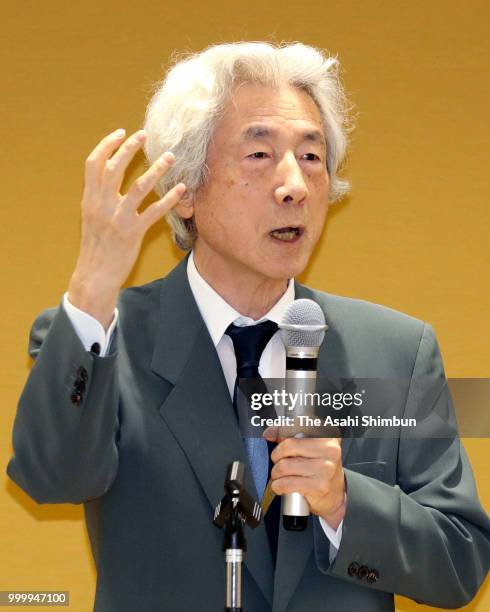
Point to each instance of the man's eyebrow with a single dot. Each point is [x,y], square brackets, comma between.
[257,132]
[254,132]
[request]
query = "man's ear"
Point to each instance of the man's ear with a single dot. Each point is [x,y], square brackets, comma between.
[185,207]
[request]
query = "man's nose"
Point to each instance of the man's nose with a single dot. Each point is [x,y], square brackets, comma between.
[290,186]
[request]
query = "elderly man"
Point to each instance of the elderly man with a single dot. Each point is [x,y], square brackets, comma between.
[129,409]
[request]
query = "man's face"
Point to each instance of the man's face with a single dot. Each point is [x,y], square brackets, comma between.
[263,207]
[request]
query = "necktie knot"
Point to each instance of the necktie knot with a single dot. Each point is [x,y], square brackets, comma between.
[249,343]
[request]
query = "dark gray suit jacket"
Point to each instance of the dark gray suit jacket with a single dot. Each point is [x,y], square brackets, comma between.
[143,442]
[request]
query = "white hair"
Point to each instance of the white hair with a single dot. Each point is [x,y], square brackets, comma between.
[186,105]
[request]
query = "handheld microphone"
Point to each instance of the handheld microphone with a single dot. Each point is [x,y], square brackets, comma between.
[302,331]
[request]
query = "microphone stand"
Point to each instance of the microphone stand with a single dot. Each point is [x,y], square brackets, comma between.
[235,509]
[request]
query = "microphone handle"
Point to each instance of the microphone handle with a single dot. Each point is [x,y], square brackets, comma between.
[300,379]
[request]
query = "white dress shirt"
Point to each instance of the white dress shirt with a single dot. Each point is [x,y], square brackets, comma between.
[217,315]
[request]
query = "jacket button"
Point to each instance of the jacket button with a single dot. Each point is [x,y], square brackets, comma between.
[372,576]
[353,569]
[95,348]
[79,386]
[363,572]
[82,374]
[76,398]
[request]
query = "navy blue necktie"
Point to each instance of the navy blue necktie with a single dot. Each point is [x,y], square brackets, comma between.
[249,343]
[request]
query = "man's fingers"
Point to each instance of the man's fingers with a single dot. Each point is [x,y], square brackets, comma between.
[277,434]
[319,473]
[308,447]
[116,166]
[95,162]
[297,466]
[155,211]
[147,181]
[294,484]
[271,434]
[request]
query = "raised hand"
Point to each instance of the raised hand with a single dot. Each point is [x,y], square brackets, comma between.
[112,227]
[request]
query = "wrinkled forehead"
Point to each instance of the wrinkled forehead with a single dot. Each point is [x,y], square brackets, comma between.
[253,110]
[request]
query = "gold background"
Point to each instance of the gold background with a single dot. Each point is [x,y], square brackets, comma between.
[413,234]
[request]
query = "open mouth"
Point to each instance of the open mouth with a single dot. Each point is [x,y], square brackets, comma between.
[287,234]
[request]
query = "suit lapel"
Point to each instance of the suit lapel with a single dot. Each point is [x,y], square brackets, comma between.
[295,548]
[199,410]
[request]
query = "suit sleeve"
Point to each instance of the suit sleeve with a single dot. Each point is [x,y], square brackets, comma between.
[65,430]
[427,537]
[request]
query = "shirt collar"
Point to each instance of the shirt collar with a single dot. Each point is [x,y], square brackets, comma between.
[218,314]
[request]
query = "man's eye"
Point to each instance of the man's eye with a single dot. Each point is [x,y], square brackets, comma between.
[259,155]
[311,156]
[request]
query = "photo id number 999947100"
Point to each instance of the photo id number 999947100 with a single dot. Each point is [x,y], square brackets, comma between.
[34,598]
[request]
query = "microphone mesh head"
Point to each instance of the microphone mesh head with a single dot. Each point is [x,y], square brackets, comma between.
[305,313]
